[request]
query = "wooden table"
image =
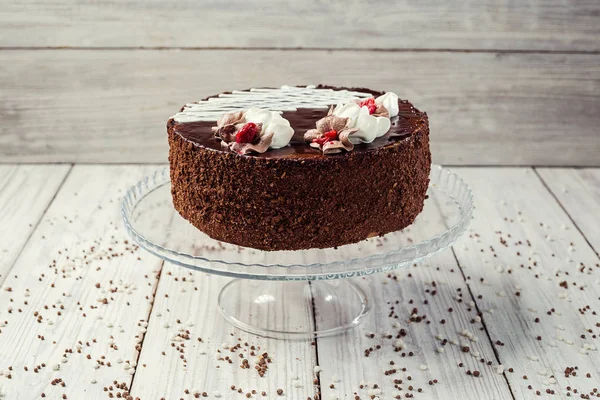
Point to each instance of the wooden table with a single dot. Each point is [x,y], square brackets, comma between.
[509,312]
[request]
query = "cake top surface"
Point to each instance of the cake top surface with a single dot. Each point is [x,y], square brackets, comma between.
[302,107]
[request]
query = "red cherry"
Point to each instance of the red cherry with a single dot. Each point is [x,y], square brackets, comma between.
[370,104]
[327,137]
[247,134]
[331,135]
[320,140]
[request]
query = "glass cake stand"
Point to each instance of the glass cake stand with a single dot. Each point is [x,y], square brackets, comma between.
[295,294]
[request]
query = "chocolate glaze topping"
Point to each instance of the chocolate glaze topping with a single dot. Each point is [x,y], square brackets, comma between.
[408,121]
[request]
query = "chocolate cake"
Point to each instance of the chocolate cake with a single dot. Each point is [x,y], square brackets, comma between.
[283,169]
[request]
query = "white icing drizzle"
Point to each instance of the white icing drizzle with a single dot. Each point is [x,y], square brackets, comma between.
[286,98]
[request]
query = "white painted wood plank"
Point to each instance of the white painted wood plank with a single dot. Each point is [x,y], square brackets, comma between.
[75,303]
[492,109]
[429,24]
[536,276]
[433,288]
[578,191]
[25,193]
[92,219]
[186,306]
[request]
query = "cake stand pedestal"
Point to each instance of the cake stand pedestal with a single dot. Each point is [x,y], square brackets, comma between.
[311,285]
[267,298]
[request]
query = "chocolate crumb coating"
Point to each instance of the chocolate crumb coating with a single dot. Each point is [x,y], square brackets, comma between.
[297,198]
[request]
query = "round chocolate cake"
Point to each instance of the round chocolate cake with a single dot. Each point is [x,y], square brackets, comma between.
[299,167]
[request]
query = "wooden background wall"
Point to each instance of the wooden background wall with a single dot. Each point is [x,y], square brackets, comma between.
[505,82]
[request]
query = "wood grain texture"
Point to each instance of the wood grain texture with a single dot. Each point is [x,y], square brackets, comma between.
[535,279]
[190,349]
[424,360]
[186,314]
[74,306]
[25,193]
[578,191]
[430,24]
[111,106]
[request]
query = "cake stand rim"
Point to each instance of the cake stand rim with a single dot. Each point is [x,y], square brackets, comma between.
[309,271]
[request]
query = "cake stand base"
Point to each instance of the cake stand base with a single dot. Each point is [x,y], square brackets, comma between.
[293,309]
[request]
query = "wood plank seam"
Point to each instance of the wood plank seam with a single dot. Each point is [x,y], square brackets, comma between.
[323,49]
[37,223]
[148,317]
[578,190]
[479,310]
[6,184]
[597,251]
[317,383]
[485,326]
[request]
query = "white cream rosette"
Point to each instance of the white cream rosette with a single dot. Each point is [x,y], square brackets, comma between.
[272,122]
[370,126]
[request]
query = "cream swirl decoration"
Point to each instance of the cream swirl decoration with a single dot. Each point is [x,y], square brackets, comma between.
[358,121]
[390,102]
[253,130]
[272,123]
[372,120]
